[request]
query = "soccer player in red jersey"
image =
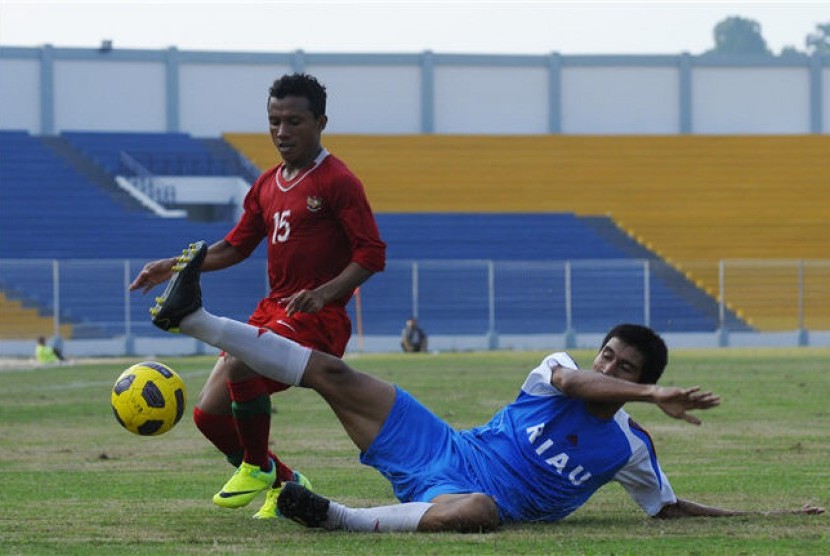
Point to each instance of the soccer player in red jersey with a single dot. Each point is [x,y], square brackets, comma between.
[323,242]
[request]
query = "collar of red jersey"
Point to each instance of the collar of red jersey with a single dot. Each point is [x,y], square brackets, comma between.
[288,185]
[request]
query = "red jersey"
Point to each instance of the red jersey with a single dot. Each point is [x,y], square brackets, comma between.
[315,225]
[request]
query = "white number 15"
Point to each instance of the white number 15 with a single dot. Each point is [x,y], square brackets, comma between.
[282,228]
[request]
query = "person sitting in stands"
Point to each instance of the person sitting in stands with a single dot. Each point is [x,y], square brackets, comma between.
[413,337]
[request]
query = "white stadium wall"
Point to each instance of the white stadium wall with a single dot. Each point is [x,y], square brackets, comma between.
[103,96]
[491,100]
[768,101]
[48,90]
[215,98]
[20,94]
[371,100]
[620,100]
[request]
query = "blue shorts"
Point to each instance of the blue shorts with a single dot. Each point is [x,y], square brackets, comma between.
[420,454]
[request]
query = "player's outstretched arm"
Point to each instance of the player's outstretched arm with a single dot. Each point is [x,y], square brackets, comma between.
[608,393]
[593,386]
[687,508]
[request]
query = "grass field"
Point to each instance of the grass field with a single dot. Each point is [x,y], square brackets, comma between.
[73,482]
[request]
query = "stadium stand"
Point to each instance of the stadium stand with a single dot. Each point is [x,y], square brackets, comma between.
[174,154]
[522,247]
[472,224]
[734,186]
[25,323]
[559,198]
[51,211]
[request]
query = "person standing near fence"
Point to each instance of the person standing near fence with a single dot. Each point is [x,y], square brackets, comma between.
[323,242]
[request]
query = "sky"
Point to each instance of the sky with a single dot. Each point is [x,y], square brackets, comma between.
[399,26]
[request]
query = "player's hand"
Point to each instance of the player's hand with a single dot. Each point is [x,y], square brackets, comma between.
[153,274]
[304,301]
[676,402]
[806,509]
[809,509]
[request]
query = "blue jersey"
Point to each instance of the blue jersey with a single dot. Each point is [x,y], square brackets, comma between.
[540,458]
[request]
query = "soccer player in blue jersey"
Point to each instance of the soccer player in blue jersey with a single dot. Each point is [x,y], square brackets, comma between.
[538,459]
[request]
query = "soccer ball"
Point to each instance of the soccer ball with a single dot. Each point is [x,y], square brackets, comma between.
[148,398]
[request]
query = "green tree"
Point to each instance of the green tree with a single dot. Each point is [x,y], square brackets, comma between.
[820,40]
[738,35]
[790,51]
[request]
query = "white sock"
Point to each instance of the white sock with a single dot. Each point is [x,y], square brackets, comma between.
[398,517]
[267,353]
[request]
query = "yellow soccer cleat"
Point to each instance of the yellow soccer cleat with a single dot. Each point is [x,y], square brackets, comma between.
[269,508]
[244,485]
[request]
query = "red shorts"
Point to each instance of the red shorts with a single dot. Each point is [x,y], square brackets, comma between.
[327,330]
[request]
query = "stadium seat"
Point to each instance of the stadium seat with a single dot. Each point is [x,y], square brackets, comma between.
[50,211]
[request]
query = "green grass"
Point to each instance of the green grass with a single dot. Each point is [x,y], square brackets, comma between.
[73,482]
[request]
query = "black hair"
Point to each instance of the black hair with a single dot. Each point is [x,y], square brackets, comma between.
[301,85]
[648,343]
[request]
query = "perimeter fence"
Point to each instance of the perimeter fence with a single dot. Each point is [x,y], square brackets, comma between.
[83,299]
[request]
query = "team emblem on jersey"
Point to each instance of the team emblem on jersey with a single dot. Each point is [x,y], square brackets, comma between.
[313,204]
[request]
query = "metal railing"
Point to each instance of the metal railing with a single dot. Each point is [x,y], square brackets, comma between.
[146,182]
[90,298]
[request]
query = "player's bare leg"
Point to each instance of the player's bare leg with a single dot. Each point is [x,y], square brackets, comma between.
[214,397]
[361,402]
[466,513]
